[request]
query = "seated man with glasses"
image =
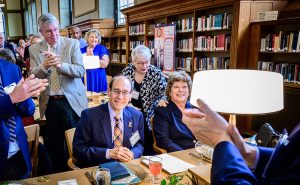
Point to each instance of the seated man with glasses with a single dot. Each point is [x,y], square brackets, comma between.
[111,131]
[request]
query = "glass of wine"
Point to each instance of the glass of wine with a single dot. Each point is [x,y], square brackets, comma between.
[155,166]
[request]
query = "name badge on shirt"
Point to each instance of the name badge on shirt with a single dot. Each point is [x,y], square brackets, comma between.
[135,95]
[134,138]
[10,88]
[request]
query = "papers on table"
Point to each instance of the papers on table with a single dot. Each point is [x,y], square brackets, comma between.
[67,182]
[171,164]
[91,62]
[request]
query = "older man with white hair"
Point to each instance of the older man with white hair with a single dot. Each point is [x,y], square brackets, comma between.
[59,59]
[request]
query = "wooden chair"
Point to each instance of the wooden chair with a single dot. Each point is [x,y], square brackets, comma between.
[33,134]
[69,134]
[157,149]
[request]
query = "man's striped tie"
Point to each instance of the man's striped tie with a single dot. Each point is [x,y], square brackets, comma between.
[11,119]
[118,135]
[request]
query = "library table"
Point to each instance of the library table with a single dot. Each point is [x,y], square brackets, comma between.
[82,179]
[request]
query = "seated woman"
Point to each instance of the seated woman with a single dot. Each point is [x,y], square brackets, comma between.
[170,132]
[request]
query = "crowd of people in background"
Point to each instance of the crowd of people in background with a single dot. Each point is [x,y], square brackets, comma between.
[54,70]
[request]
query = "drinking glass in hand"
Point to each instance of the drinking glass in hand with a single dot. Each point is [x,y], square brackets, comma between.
[103,176]
[155,166]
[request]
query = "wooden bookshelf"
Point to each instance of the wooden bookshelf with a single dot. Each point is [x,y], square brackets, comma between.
[161,12]
[117,50]
[272,56]
[170,11]
[288,117]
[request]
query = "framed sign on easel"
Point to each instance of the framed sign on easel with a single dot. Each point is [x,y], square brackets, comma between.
[164,47]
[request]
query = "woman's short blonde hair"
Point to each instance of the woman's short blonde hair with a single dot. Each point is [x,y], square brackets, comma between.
[96,32]
[178,76]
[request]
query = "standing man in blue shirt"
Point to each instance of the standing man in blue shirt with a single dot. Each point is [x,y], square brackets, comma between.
[76,34]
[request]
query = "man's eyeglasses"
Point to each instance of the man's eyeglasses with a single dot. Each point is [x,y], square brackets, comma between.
[119,92]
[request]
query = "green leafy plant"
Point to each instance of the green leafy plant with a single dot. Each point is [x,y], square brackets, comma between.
[173,180]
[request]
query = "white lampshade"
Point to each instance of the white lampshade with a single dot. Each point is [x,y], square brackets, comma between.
[239,91]
[91,62]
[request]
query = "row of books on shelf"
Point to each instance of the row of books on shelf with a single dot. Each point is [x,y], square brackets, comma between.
[281,42]
[204,23]
[138,29]
[185,25]
[199,64]
[214,22]
[202,43]
[115,57]
[213,43]
[150,44]
[211,63]
[133,44]
[123,46]
[183,63]
[290,72]
[185,45]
